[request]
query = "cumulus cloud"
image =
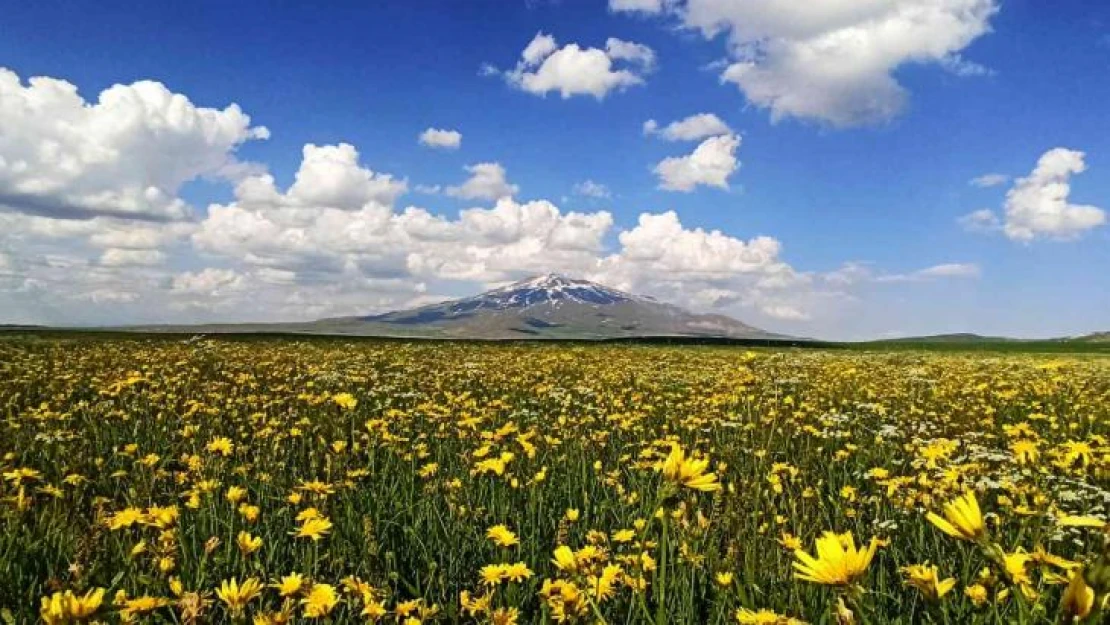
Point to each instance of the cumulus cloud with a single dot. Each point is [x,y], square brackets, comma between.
[377,242]
[1037,205]
[329,176]
[710,164]
[209,281]
[440,138]
[127,154]
[708,269]
[636,53]
[487,182]
[835,62]
[573,70]
[596,190]
[692,128]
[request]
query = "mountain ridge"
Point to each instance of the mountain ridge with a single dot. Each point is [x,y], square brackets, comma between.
[556,306]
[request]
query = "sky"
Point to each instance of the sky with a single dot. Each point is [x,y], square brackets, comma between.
[842,169]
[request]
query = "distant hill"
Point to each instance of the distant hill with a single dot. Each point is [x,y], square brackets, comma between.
[958,337]
[967,337]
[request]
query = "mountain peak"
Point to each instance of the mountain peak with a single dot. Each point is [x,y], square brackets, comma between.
[552,288]
[545,281]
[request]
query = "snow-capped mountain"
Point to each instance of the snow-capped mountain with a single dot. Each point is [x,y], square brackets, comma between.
[553,288]
[554,306]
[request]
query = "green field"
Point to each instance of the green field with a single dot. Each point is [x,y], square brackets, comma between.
[294,479]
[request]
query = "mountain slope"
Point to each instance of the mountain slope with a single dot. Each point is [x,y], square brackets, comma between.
[550,306]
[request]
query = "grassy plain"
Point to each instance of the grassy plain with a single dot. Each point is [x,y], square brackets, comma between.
[407,482]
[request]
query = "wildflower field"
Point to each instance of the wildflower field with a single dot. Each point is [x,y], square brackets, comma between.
[286,480]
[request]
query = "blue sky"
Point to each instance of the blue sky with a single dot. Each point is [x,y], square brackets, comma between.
[858,210]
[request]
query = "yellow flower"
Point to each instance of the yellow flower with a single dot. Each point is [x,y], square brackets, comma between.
[320,601]
[126,518]
[962,518]
[1067,520]
[314,528]
[1078,599]
[790,542]
[689,472]
[373,609]
[1024,451]
[237,596]
[837,563]
[977,593]
[745,616]
[604,585]
[249,513]
[504,616]
[65,607]
[492,574]
[723,579]
[140,605]
[474,606]
[1015,565]
[290,584]
[925,578]
[248,544]
[221,445]
[235,494]
[502,536]
[572,514]
[345,400]
[517,572]
[565,560]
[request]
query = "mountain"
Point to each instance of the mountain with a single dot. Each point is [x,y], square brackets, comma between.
[548,306]
[958,337]
[967,337]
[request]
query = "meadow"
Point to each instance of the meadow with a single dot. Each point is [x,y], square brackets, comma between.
[271,481]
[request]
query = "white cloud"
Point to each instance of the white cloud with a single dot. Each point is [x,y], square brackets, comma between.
[638,53]
[116,257]
[692,128]
[441,138]
[951,270]
[982,220]
[709,270]
[989,180]
[636,6]
[833,61]
[1037,205]
[487,182]
[710,164]
[572,70]
[376,242]
[209,281]
[947,270]
[596,190]
[330,176]
[127,154]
